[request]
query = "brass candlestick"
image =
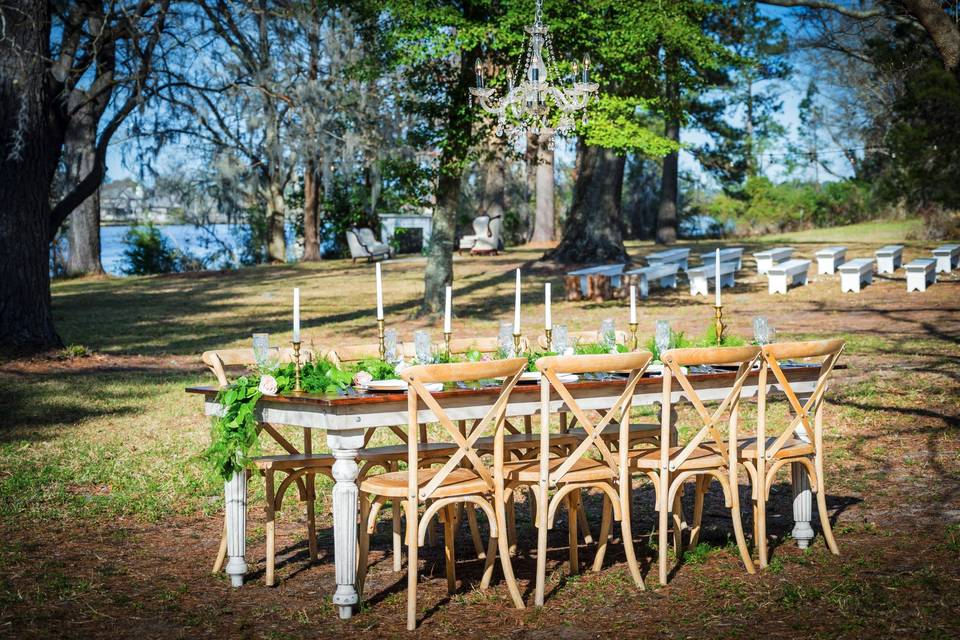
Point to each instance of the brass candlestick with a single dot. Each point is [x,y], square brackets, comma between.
[446,343]
[383,346]
[296,364]
[719,323]
[633,336]
[516,345]
[549,334]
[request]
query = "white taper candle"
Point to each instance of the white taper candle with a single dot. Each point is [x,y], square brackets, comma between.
[633,304]
[379,294]
[446,311]
[516,307]
[716,273]
[296,314]
[547,323]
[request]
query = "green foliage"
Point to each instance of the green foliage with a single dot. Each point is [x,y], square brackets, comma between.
[148,251]
[677,341]
[74,351]
[728,340]
[379,369]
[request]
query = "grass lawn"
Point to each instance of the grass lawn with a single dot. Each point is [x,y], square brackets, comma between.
[110,519]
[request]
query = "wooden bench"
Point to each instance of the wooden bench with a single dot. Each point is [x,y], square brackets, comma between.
[593,283]
[784,274]
[830,258]
[889,258]
[678,256]
[855,273]
[947,256]
[701,276]
[730,254]
[663,274]
[920,273]
[770,257]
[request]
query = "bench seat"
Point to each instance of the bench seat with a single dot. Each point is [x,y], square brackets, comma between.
[770,257]
[921,273]
[947,257]
[782,275]
[663,274]
[829,258]
[730,254]
[679,256]
[701,276]
[855,273]
[889,258]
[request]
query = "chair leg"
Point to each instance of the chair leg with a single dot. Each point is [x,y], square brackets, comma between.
[475,531]
[825,521]
[760,523]
[397,526]
[678,523]
[626,532]
[512,523]
[604,534]
[582,520]
[450,559]
[703,482]
[572,538]
[738,527]
[413,532]
[542,510]
[222,551]
[489,562]
[271,528]
[504,549]
[311,480]
[364,544]
[664,521]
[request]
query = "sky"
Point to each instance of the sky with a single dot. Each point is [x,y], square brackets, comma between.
[792,92]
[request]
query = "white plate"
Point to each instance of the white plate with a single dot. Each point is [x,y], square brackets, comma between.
[397,385]
[534,376]
[657,369]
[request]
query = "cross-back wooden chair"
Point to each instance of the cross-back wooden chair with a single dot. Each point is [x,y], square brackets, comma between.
[445,487]
[800,442]
[576,470]
[705,455]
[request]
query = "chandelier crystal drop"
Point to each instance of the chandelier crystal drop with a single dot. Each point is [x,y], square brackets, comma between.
[525,106]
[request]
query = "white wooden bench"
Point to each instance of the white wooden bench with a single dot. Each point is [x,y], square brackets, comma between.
[855,273]
[730,254]
[947,256]
[830,258]
[920,273]
[593,282]
[701,276]
[889,258]
[770,257]
[784,274]
[680,257]
[663,274]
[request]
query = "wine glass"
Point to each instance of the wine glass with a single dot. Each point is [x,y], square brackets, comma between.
[390,345]
[761,330]
[423,346]
[662,336]
[608,333]
[505,338]
[558,339]
[261,351]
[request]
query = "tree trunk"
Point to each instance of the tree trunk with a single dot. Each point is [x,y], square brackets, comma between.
[26,320]
[530,160]
[494,180]
[311,208]
[543,224]
[83,233]
[276,237]
[593,232]
[943,31]
[669,188]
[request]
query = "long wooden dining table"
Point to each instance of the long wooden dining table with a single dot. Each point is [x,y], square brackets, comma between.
[347,416]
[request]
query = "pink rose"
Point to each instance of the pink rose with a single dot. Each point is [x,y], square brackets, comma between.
[268,385]
[362,379]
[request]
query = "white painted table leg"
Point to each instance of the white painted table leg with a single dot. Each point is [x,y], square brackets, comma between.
[235,499]
[802,506]
[345,445]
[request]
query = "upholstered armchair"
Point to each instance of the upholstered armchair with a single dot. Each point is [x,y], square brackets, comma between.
[485,238]
[363,244]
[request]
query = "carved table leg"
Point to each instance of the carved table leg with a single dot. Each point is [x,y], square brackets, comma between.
[345,446]
[802,506]
[235,499]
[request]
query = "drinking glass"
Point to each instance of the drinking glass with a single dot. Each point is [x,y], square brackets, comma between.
[662,336]
[558,339]
[506,338]
[608,333]
[261,350]
[423,346]
[761,330]
[390,345]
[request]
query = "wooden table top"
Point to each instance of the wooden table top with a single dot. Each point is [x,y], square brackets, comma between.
[352,396]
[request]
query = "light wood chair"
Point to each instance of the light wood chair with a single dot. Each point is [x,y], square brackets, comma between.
[450,485]
[802,440]
[575,470]
[706,454]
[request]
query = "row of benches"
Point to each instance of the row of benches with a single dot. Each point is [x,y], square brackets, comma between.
[611,281]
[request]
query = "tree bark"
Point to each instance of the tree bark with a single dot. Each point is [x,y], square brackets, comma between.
[494,180]
[530,161]
[26,319]
[83,233]
[543,223]
[311,208]
[593,231]
[276,236]
[944,32]
[669,185]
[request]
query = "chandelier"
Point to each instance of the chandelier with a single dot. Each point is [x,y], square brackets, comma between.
[525,106]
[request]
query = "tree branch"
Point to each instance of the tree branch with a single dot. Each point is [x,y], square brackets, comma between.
[829,6]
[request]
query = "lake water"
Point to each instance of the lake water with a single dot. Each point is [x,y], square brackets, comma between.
[201,243]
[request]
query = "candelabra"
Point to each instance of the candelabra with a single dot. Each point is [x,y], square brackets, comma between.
[718,323]
[516,345]
[633,336]
[549,334]
[382,344]
[446,343]
[296,364]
